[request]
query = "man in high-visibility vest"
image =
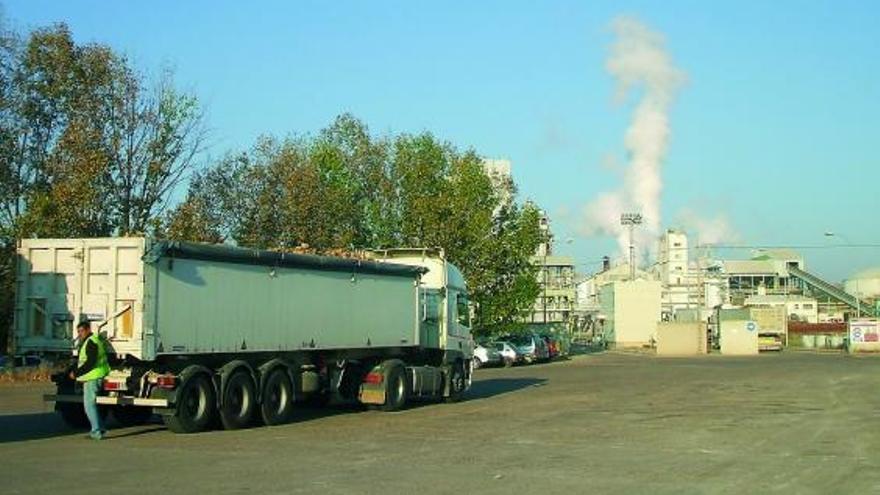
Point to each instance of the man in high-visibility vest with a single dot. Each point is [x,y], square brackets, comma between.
[92,367]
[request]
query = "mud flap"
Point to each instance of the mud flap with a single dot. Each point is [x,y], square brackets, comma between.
[373,391]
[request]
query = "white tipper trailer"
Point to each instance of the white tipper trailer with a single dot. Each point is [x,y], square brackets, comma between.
[202,332]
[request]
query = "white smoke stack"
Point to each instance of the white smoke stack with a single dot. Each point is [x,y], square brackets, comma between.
[639,63]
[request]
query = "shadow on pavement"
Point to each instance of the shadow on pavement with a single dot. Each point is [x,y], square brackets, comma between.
[35,426]
[483,389]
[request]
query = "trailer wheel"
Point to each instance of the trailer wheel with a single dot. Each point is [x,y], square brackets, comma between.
[239,404]
[73,415]
[277,404]
[396,388]
[195,409]
[132,415]
[457,382]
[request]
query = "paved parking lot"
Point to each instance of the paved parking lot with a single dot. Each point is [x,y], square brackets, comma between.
[609,423]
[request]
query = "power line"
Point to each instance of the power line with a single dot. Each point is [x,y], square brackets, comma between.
[805,246]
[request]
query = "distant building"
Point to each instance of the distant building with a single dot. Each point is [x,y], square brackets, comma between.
[865,284]
[797,308]
[632,311]
[546,246]
[672,258]
[766,273]
[499,172]
[782,272]
[558,299]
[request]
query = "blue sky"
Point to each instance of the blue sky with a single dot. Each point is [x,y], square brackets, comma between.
[776,128]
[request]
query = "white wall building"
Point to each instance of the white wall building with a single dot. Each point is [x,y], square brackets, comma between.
[632,312]
[797,308]
[672,258]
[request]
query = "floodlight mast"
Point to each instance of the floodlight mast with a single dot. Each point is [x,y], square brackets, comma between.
[630,220]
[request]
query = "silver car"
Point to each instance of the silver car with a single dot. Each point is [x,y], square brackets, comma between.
[531,348]
[507,351]
[486,355]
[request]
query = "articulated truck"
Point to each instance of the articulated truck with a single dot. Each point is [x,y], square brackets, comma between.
[213,334]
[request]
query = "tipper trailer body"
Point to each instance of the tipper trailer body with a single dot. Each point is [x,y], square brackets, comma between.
[197,331]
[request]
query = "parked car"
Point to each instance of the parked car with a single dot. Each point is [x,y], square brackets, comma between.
[486,355]
[507,351]
[552,346]
[530,348]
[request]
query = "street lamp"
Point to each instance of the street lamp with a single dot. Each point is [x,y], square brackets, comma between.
[630,220]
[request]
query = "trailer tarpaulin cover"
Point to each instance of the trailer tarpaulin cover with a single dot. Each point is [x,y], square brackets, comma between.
[232,254]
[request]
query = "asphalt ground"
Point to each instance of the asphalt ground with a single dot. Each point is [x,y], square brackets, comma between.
[604,423]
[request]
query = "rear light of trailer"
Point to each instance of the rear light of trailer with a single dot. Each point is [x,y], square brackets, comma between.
[166,381]
[373,378]
[114,386]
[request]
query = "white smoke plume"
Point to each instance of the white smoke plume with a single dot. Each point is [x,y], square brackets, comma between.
[708,230]
[640,64]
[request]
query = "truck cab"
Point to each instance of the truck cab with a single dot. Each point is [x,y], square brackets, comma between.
[445,306]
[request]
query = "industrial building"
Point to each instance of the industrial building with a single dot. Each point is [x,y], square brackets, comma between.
[632,312]
[695,287]
[557,300]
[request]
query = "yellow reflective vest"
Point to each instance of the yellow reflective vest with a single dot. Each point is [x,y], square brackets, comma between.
[102,367]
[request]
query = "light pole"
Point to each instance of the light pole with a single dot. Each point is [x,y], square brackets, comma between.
[630,220]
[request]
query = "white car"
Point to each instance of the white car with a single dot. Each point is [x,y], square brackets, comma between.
[486,355]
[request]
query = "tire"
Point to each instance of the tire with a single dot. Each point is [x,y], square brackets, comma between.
[477,363]
[396,388]
[239,402]
[276,406]
[196,407]
[318,400]
[73,415]
[132,415]
[457,382]
[508,362]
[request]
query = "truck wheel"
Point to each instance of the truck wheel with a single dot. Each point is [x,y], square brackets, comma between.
[457,382]
[195,409]
[238,405]
[132,415]
[73,415]
[396,388]
[277,404]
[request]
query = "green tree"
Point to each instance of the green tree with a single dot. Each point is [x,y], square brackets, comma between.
[87,148]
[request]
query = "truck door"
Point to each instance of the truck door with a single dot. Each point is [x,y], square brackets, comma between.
[113,290]
[459,332]
[49,294]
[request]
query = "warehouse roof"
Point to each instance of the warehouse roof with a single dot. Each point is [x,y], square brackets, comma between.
[245,256]
[749,267]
